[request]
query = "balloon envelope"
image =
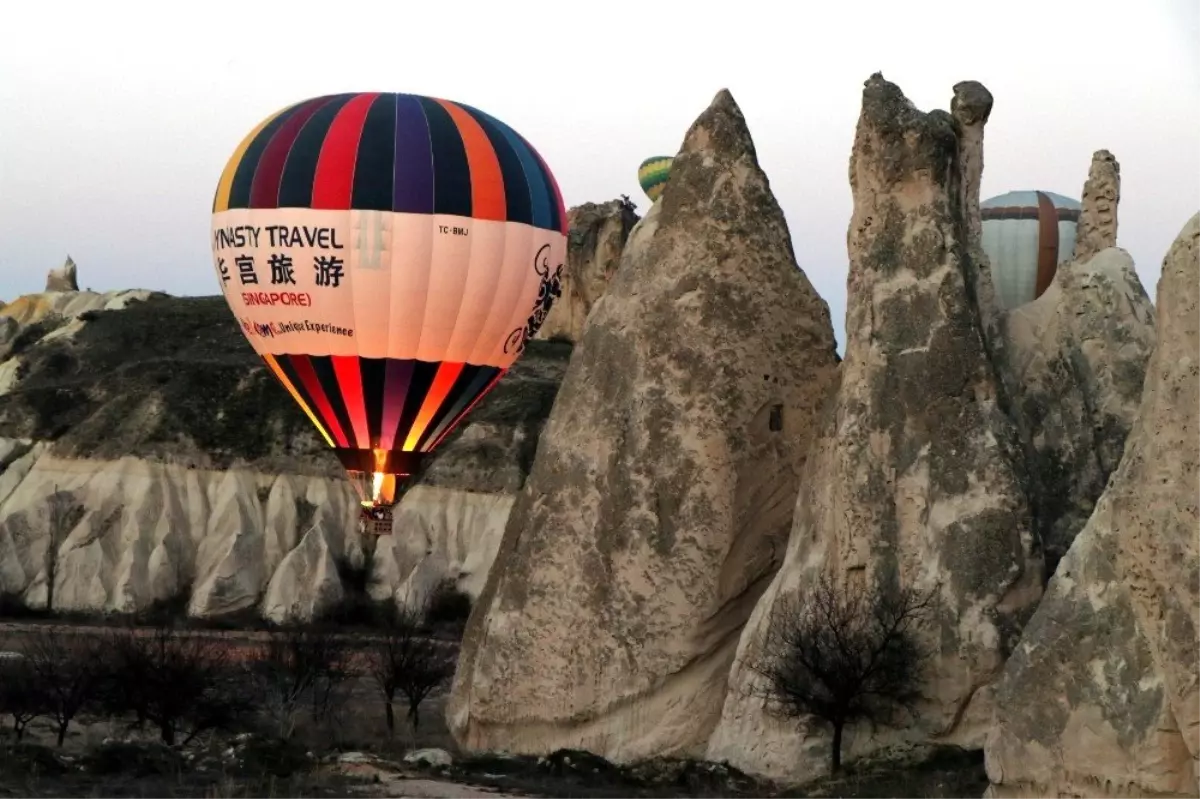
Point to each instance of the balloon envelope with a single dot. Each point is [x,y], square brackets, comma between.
[1026,235]
[653,174]
[388,256]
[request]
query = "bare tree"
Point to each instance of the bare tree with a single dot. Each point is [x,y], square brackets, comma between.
[298,667]
[19,696]
[185,683]
[404,660]
[842,653]
[66,672]
[63,512]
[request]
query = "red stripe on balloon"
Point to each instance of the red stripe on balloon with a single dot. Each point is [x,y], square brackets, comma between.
[333,184]
[312,385]
[264,191]
[349,378]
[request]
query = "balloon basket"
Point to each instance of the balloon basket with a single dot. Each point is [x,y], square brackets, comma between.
[376,520]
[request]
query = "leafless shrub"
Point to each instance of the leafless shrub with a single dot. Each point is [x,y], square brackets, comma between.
[66,672]
[19,692]
[844,654]
[300,668]
[183,682]
[403,659]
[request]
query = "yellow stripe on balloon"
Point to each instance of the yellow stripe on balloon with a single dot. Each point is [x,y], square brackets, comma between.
[283,378]
[221,203]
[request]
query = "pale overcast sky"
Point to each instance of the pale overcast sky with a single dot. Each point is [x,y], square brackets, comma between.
[116,118]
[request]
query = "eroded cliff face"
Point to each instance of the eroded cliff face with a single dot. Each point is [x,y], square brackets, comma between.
[597,238]
[1101,697]
[662,492]
[1075,359]
[917,474]
[196,473]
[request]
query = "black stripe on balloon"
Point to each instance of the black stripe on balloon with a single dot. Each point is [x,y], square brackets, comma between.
[451,171]
[296,184]
[484,386]
[374,163]
[323,367]
[373,371]
[289,369]
[555,217]
[471,380]
[418,387]
[243,176]
[516,187]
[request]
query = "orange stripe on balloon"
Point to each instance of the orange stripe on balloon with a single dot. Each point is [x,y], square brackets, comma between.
[487,181]
[312,384]
[333,183]
[450,427]
[349,378]
[283,378]
[443,381]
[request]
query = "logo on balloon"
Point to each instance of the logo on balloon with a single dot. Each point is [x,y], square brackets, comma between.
[266,330]
[548,292]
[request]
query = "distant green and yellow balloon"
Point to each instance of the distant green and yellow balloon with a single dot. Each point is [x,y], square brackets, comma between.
[653,174]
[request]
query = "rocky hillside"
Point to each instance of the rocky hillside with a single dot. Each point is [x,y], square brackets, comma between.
[682,452]
[198,474]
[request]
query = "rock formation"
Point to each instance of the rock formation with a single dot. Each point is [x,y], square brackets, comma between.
[1101,696]
[198,475]
[662,492]
[1097,228]
[598,235]
[442,533]
[63,278]
[917,473]
[1077,357]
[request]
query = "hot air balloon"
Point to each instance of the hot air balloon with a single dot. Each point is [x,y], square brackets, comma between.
[388,256]
[652,175]
[1026,235]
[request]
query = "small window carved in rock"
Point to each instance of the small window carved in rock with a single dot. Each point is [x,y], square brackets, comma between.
[776,421]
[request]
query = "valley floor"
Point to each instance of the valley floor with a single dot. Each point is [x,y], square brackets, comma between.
[102,758]
[349,753]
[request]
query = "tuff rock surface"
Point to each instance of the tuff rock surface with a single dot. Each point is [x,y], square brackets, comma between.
[916,474]
[1077,356]
[662,492]
[63,278]
[1097,227]
[1101,696]
[198,475]
[598,232]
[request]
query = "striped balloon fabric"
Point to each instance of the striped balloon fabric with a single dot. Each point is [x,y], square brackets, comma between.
[652,175]
[388,256]
[1026,235]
